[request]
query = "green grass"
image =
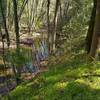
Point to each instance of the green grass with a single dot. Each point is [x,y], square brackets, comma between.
[72,79]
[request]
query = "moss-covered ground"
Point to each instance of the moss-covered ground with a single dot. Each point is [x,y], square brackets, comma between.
[71,78]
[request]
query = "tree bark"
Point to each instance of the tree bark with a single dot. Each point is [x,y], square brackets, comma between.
[48,27]
[16,24]
[96,33]
[55,27]
[4,23]
[91,28]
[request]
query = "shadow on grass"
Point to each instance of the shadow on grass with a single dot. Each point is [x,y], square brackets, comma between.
[72,91]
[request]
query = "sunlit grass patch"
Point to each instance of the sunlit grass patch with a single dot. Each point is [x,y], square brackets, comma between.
[60,85]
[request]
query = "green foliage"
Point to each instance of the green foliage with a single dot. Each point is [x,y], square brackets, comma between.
[78,17]
[18,59]
[64,81]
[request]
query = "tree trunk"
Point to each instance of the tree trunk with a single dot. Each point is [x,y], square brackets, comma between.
[96,33]
[91,28]
[16,24]
[3,14]
[55,27]
[48,27]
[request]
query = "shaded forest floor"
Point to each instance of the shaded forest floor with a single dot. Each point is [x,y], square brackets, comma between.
[71,78]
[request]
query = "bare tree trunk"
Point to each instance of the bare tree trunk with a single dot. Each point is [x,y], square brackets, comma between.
[96,33]
[17,37]
[48,23]
[91,28]
[16,24]
[55,27]
[4,23]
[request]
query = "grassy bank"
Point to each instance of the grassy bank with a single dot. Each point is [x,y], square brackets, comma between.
[72,78]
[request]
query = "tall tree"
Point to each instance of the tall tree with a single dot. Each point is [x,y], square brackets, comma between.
[3,14]
[55,26]
[91,27]
[16,24]
[48,23]
[96,32]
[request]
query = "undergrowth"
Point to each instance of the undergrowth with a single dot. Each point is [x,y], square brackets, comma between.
[71,78]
